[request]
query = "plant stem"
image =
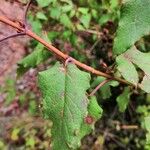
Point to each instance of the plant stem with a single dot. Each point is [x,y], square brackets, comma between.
[59,53]
[12,36]
[98,87]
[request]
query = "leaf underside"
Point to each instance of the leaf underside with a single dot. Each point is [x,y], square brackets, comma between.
[126,67]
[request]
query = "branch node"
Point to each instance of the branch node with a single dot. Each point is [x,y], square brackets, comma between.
[69,60]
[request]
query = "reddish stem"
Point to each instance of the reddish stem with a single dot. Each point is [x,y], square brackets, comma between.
[58,52]
[98,87]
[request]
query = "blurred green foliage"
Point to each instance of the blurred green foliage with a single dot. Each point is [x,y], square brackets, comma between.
[74,27]
[27,133]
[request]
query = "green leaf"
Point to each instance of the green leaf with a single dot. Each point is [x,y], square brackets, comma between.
[141,60]
[44,3]
[127,69]
[114,3]
[147,146]
[94,14]
[65,103]
[94,109]
[104,19]
[147,127]
[30,141]
[36,24]
[147,123]
[65,20]
[145,85]
[123,99]
[15,134]
[72,13]
[94,113]
[85,20]
[83,10]
[55,12]
[105,91]
[80,27]
[41,15]
[53,35]
[134,23]
[66,8]
[36,57]
[10,91]
[32,107]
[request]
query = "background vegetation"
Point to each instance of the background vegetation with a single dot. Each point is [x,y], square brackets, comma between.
[84,29]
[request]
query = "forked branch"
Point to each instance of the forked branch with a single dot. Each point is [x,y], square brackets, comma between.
[56,51]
